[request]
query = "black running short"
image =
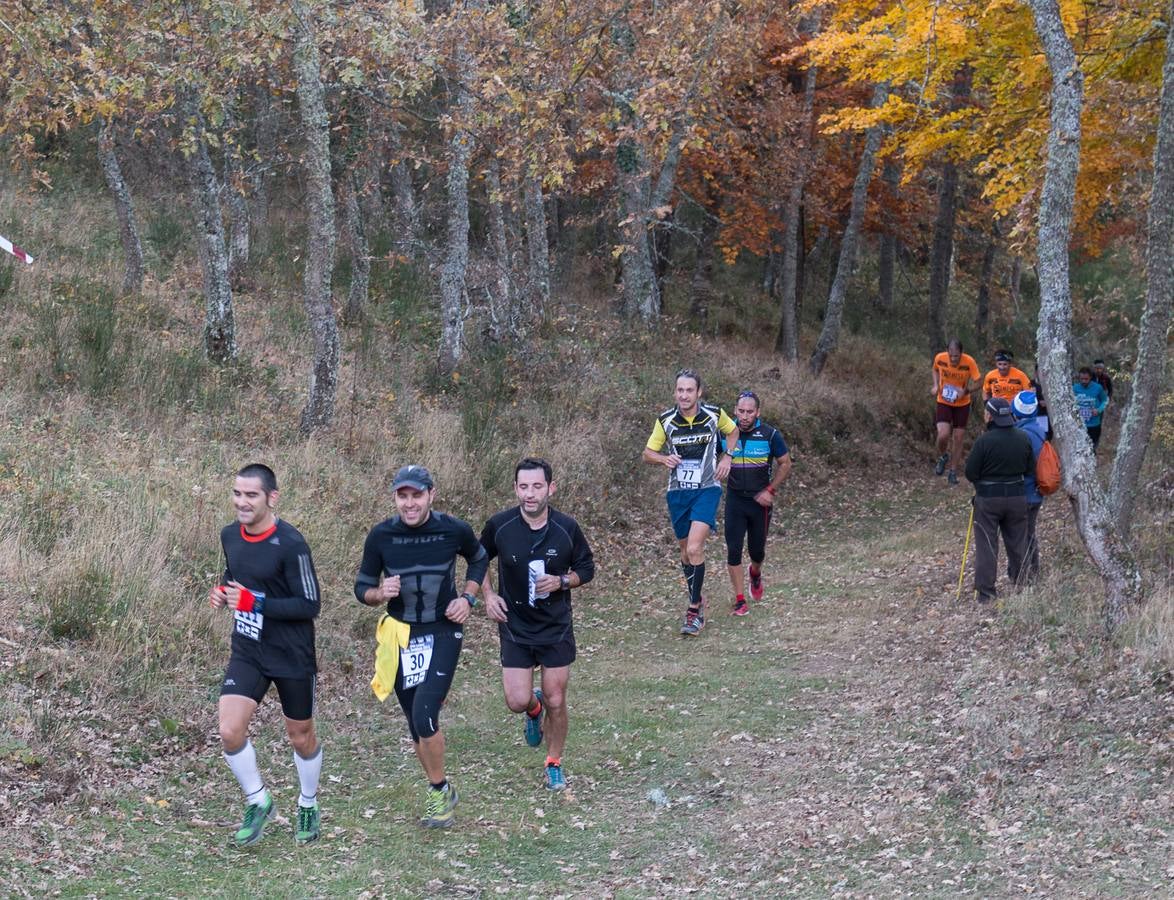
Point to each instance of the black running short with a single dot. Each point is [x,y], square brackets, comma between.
[746,521]
[243,679]
[527,656]
[425,675]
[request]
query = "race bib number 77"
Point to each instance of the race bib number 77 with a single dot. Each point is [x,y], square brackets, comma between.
[689,473]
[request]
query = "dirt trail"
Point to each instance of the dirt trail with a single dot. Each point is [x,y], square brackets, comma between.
[944,750]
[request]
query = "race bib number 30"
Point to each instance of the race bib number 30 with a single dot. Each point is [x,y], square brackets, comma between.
[249,624]
[415,659]
[689,473]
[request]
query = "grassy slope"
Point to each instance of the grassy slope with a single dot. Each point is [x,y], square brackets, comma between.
[857,734]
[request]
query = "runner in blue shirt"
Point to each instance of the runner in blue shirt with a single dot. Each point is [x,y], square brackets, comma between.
[1091,400]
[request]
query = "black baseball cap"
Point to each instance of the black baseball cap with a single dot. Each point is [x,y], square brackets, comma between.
[1000,411]
[414,477]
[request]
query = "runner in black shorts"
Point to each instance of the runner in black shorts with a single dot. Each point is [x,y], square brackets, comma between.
[541,554]
[761,463]
[270,585]
[409,563]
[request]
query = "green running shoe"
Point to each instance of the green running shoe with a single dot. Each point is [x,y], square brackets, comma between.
[256,815]
[309,824]
[441,803]
[534,725]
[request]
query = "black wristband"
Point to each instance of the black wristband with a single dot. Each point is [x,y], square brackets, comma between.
[470,599]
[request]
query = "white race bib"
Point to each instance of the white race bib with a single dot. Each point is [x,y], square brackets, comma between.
[950,392]
[249,624]
[415,659]
[689,473]
[1087,412]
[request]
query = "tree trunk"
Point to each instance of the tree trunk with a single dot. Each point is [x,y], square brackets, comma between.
[641,297]
[829,336]
[237,203]
[942,256]
[787,340]
[537,247]
[1015,282]
[701,294]
[219,327]
[887,263]
[1149,370]
[318,412]
[456,254]
[503,307]
[409,233]
[128,229]
[266,138]
[982,310]
[356,300]
[1112,558]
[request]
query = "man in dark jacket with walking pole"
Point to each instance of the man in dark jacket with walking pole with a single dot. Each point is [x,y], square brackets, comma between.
[997,466]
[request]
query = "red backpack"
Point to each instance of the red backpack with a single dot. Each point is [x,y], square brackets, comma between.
[1047,470]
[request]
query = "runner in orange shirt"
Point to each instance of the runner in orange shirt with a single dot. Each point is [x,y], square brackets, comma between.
[955,378]
[1004,380]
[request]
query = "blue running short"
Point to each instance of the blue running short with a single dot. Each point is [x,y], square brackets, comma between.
[686,507]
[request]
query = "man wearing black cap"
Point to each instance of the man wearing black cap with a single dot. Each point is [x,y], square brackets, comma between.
[998,463]
[409,563]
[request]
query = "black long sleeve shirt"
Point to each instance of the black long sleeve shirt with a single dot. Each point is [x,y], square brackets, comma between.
[1001,455]
[425,558]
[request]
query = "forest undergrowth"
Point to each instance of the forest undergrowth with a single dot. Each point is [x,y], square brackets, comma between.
[861,733]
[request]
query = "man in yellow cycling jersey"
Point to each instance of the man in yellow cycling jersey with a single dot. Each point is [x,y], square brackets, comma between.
[687,440]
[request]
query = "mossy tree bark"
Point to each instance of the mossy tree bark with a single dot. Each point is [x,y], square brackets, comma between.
[219,325]
[1112,557]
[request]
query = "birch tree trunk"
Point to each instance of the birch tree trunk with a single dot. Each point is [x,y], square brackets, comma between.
[456,253]
[942,256]
[318,412]
[787,341]
[356,301]
[1112,558]
[829,336]
[128,229]
[1149,372]
[219,326]
[537,247]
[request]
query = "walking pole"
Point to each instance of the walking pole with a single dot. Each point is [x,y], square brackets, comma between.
[965,547]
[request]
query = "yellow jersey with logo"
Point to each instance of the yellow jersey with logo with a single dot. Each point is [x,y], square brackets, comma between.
[697,439]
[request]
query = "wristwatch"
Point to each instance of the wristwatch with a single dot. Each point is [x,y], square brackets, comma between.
[470,599]
[564,582]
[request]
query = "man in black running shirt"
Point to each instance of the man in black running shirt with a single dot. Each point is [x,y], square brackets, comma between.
[541,555]
[409,564]
[270,585]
